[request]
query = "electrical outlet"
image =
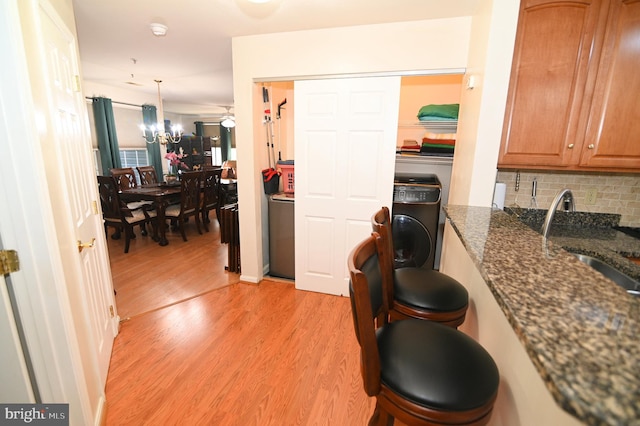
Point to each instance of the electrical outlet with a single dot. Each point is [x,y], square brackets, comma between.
[592,194]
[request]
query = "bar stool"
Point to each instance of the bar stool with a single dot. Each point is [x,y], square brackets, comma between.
[420,372]
[416,292]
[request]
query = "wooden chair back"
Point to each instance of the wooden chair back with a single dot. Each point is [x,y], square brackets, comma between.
[147,175]
[211,188]
[381,224]
[368,307]
[189,202]
[190,192]
[115,212]
[125,177]
[112,207]
[210,194]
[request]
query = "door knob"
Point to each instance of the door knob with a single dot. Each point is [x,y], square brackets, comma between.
[82,246]
[591,146]
[570,146]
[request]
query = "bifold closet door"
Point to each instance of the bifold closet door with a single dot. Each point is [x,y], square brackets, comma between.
[345,139]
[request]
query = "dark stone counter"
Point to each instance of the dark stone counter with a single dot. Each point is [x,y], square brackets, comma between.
[580,330]
[592,234]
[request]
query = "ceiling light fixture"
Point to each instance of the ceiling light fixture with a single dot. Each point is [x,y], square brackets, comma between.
[155,133]
[228,120]
[159,30]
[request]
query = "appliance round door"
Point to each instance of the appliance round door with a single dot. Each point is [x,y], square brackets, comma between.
[411,241]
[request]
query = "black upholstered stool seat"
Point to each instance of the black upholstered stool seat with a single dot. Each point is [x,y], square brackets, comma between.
[436,366]
[429,290]
[414,292]
[420,372]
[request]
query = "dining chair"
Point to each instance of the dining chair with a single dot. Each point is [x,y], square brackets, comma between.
[420,372]
[415,292]
[189,202]
[147,175]
[210,194]
[125,179]
[116,213]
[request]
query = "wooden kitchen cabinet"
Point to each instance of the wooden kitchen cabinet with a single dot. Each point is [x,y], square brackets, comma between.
[572,102]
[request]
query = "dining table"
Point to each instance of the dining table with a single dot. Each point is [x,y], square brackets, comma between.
[162,194]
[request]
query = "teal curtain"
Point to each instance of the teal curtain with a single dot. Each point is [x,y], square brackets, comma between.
[106,134]
[225,143]
[199,128]
[153,149]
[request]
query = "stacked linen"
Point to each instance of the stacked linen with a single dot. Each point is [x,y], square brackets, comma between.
[410,145]
[438,144]
[444,112]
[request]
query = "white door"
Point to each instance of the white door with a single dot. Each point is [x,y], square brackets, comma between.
[15,385]
[345,139]
[79,190]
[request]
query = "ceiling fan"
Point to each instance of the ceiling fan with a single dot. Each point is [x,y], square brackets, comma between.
[228,120]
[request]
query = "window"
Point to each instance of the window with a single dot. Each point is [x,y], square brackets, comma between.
[134,157]
[129,157]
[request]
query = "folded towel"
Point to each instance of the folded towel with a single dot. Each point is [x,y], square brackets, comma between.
[436,152]
[437,146]
[439,112]
[411,148]
[430,135]
[438,141]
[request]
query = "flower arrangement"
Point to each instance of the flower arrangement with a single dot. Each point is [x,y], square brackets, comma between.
[175,162]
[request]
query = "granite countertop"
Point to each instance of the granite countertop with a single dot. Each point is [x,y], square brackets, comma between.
[581,330]
[592,234]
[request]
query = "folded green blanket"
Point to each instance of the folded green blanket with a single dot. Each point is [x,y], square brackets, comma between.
[437,145]
[444,111]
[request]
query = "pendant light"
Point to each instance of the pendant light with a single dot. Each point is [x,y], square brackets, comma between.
[228,120]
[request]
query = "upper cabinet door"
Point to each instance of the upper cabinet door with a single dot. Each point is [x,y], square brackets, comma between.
[613,128]
[548,77]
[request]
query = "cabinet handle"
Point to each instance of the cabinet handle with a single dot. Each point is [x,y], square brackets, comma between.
[570,146]
[591,146]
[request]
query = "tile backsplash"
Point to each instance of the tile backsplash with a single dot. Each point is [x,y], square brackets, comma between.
[614,193]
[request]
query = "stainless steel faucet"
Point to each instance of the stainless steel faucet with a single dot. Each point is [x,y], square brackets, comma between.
[565,195]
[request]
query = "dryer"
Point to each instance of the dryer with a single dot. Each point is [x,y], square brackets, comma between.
[415,214]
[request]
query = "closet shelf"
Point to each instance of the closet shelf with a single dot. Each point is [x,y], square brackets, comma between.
[439,126]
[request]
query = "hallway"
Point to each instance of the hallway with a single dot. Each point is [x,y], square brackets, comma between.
[241,355]
[150,276]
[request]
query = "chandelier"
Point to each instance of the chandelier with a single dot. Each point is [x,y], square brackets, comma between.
[156,133]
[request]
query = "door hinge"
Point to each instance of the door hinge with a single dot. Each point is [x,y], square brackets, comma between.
[95,207]
[76,83]
[9,261]
[111,311]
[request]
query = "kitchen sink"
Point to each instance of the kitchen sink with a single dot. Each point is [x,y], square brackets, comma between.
[632,286]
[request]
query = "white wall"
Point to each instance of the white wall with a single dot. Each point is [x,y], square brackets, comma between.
[128,118]
[386,48]
[482,108]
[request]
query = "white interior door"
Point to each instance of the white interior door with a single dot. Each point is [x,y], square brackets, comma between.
[345,138]
[15,385]
[95,291]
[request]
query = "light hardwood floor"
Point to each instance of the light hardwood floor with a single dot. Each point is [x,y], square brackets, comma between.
[240,354]
[150,276]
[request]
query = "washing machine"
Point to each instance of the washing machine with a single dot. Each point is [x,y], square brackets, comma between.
[415,214]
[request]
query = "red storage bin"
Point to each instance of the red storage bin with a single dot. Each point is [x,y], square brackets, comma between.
[288,177]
